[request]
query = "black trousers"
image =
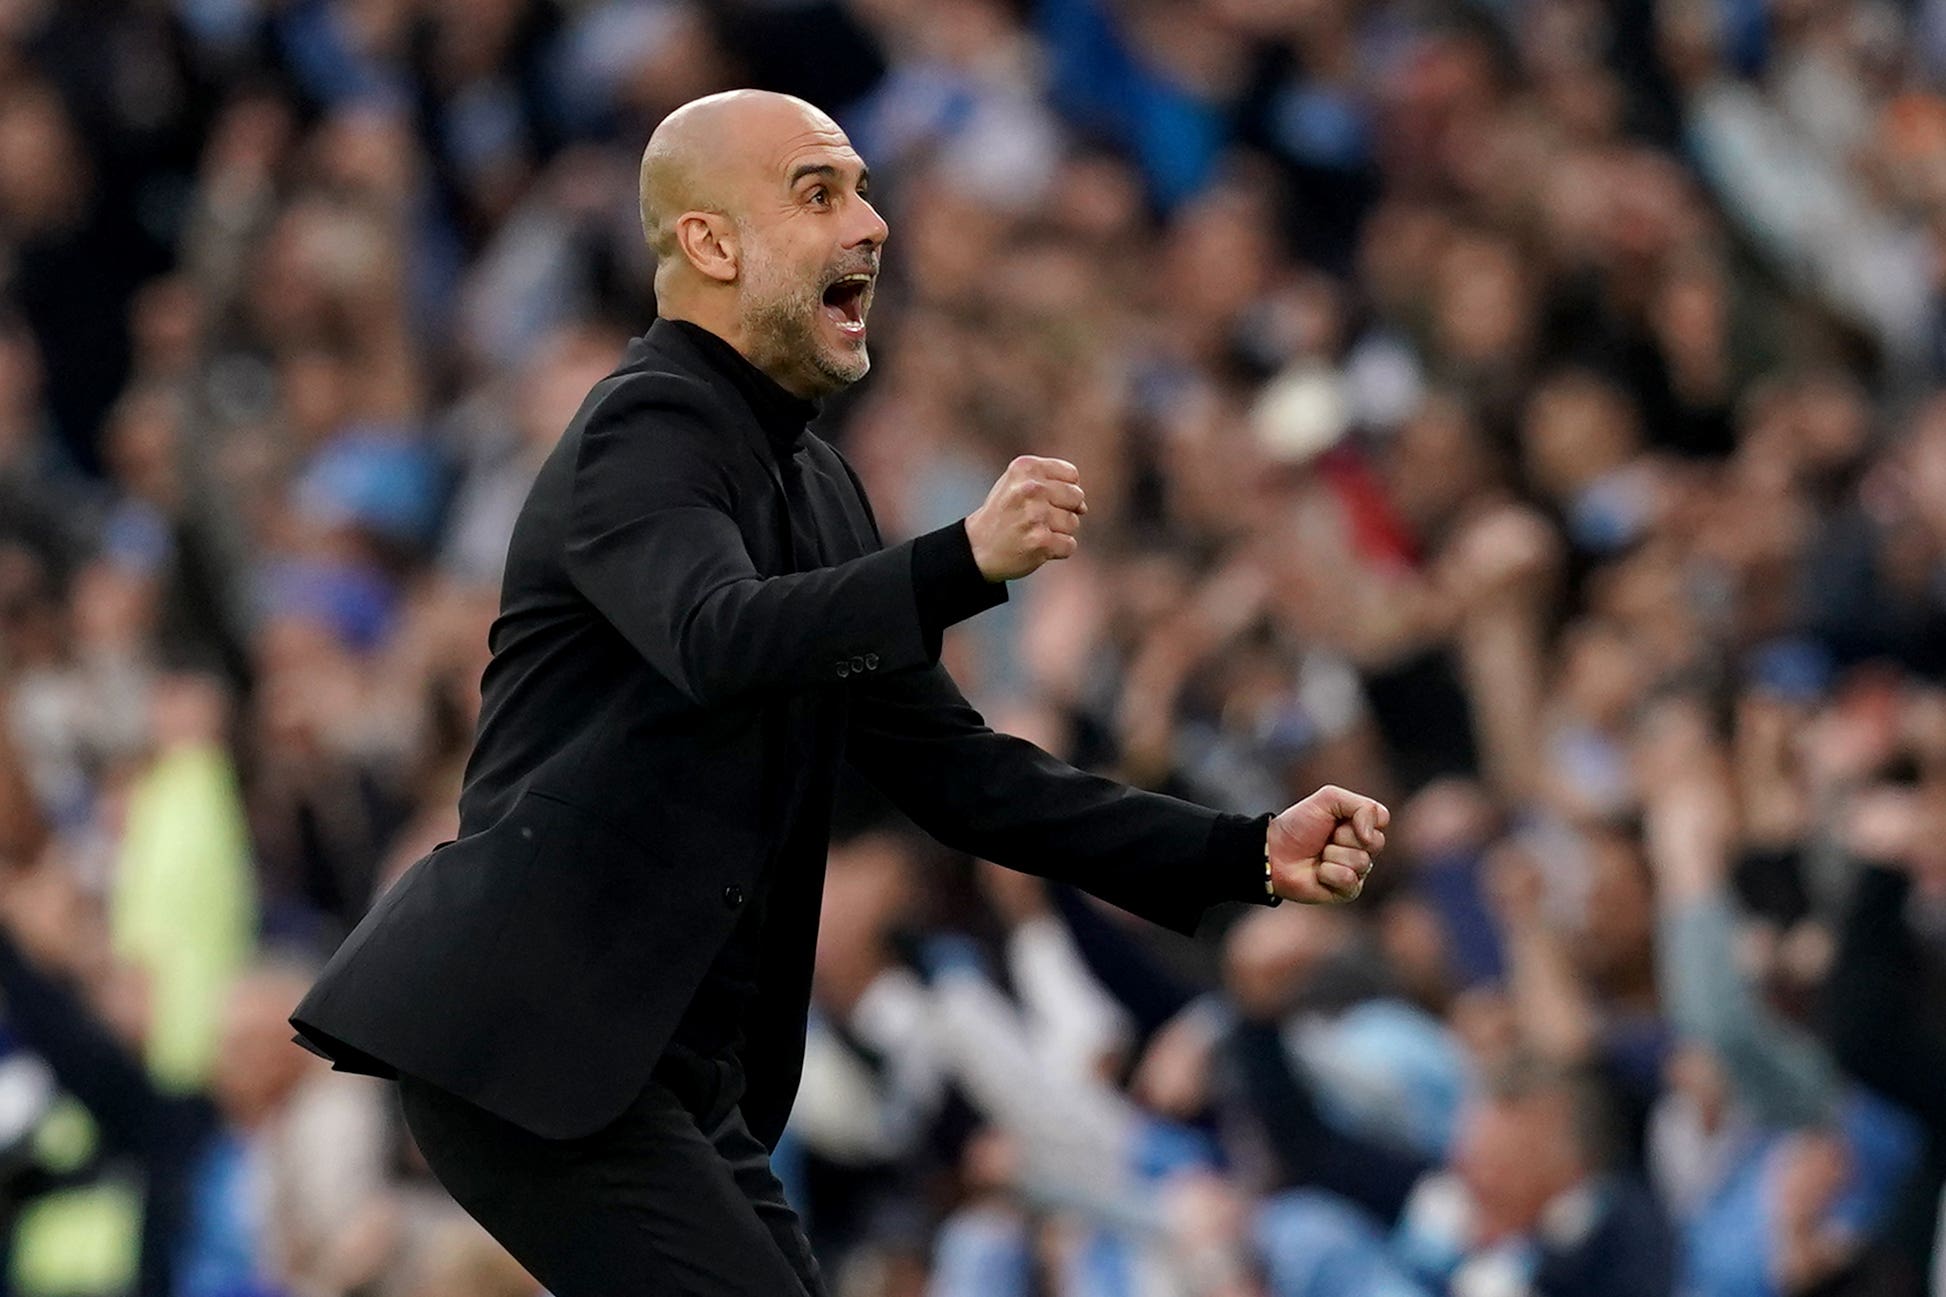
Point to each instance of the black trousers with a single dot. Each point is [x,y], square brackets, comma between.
[676,1196]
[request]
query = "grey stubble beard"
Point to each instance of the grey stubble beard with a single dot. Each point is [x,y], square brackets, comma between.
[781,322]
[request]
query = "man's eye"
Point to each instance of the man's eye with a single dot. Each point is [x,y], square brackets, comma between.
[820,196]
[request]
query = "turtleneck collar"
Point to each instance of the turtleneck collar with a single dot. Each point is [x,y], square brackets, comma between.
[781,415]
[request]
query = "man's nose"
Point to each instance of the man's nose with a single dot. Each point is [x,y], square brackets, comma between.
[870,228]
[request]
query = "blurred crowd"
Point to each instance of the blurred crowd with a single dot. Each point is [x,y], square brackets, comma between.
[1530,412]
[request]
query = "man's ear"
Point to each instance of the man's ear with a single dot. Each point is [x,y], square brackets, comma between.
[709,240]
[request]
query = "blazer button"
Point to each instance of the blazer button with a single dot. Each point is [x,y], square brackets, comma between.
[858,664]
[871,661]
[844,669]
[733,896]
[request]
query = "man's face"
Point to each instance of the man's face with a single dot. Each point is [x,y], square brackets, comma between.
[1515,1155]
[810,247]
[256,1064]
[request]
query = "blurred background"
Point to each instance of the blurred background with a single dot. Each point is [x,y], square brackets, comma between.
[1527,411]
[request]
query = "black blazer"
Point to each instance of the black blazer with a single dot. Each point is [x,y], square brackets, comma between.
[613,817]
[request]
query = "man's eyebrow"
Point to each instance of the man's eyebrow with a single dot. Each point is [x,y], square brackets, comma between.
[827,170]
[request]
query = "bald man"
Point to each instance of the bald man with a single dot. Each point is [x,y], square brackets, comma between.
[594,999]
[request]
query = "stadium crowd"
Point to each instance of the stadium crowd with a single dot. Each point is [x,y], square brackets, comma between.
[1530,412]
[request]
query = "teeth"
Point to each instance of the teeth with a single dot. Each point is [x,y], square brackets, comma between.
[863,278]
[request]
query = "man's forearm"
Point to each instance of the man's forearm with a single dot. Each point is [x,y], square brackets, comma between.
[1003,799]
[1783,1073]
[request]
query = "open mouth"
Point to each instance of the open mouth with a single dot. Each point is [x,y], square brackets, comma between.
[846,301]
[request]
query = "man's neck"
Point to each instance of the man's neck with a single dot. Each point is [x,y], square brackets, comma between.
[782,414]
[733,333]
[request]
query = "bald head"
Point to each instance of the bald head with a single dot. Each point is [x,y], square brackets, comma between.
[704,154]
[754,205]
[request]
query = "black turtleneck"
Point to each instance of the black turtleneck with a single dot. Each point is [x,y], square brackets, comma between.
[947,583]
[781,414]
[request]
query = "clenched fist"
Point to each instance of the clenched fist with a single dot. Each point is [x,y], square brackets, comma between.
[1321,849]
[1030,516]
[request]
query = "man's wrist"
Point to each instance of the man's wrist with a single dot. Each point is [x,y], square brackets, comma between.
[947,584]
[972,551]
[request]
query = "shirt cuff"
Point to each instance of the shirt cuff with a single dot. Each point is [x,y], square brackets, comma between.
[947,584]
[1234,861]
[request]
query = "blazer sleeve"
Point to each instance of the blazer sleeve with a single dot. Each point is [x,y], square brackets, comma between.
[653,544]
[1001,798]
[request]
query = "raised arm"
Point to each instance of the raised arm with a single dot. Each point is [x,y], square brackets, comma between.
[1783,1073]
[1557,1015]
[653,543]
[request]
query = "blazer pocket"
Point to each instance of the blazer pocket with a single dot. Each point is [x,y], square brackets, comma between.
[584,918]
[586,820]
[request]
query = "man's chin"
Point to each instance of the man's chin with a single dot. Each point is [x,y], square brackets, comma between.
[844,365]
